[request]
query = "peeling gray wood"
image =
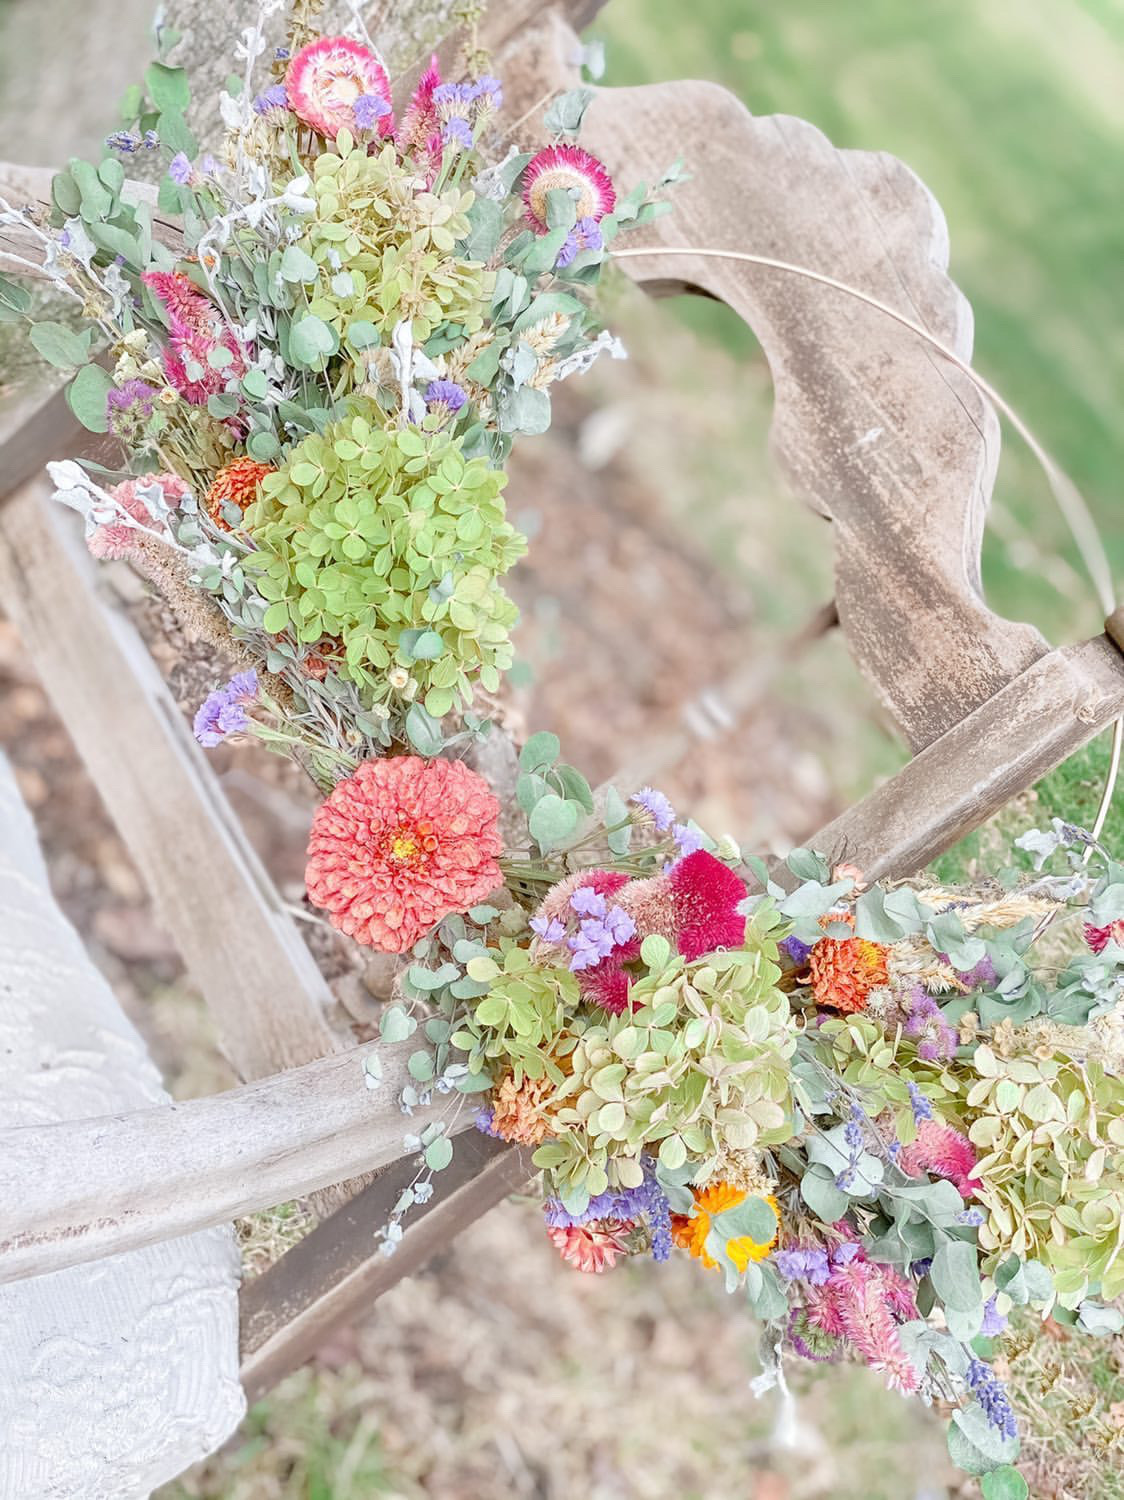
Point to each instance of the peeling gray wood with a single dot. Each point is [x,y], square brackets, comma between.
[239,944]
[152,1174]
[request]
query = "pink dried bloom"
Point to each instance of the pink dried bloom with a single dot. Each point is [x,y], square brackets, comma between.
[325,81]
[942,1149]
[115,539]
[1098,938]
[196,328]
[420,127]
[858,1292]
[567,169]
[592,1247]
[399,845]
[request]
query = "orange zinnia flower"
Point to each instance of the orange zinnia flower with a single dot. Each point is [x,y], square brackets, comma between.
[235,484]
[689,1232]
[845,970]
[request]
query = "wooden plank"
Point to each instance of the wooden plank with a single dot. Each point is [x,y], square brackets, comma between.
[888,441]
[335,1273]
[239,944]
[974,769]
[155,1173]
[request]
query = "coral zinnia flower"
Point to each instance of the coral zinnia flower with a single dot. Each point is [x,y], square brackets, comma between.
[567,168]
[845,970]
[326,80]
[115,539]
[235,484]
[690,1232]
[399,845]
[596,1246]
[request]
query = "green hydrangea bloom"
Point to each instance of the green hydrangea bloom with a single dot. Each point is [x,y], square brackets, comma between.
[386,544]
[386,250]
[1050,1132]
[701,1068]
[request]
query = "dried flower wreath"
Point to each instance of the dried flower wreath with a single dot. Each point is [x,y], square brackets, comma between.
[866,1108]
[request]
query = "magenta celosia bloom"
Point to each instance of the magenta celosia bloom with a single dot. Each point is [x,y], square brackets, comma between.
[567,169]
[1098,938]
[327,79]
[861,1304]
[116,539]
[942,1149]
[196,328]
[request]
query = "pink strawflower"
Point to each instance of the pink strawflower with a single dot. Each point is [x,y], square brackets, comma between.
[567,168]
[592,1247]
[942,1149]
[399,845]
[115,539]
[196,328]
[1098,938]
[326,79]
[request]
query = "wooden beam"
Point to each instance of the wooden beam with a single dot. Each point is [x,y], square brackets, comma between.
[974,769]
[83,1189]
[335,1273]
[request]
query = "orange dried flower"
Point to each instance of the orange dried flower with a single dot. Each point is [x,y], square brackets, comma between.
[845,970]
[235,484]
[517,1110]
[689,1232]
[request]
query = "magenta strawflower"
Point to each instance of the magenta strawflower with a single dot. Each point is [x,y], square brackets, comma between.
[568,169]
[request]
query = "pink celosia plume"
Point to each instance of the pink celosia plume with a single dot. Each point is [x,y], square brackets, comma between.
[196,328]
[942,1149]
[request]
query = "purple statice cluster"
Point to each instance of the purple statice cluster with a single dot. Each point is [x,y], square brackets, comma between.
[994,1323]
[127,142]
[585,235]
[796,949]
[648,1202]
[925,1022]
[485,1122]
[274,97]
[656,805]
[463,109]
[601,929]
[128,408]
[981,976]
[445,397]
[179,169]
[223,712]
[989,1391]
[814,1264]
[368,110]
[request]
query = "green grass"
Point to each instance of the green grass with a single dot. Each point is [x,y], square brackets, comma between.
[1012,113]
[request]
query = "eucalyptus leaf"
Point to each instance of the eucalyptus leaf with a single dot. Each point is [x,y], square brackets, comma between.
[552,820]
[86,395]
[60,346]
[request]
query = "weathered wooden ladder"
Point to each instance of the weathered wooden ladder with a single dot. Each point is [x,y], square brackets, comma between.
[891,444]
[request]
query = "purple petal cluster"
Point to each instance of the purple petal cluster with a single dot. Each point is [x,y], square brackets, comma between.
[550,929]
[922,1109]
[223,711]
[657,806]
[796,949]
[446,394]
[925,1021]
[602,928]
[687,840]
[994,1323]
[179,169]
[274,97]
[368,110]
[648,1202]
[992,1397]
[585,235]
[128,408]
[811,1266]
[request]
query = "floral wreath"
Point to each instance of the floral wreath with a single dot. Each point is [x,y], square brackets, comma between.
[864,1107]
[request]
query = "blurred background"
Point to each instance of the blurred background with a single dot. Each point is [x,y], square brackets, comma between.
[665,556]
